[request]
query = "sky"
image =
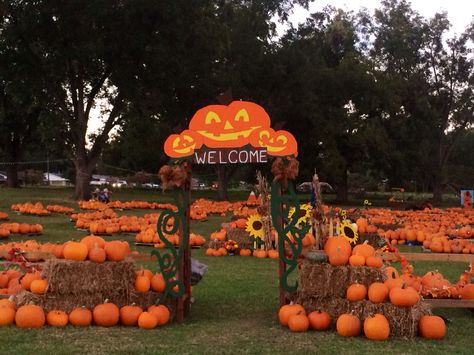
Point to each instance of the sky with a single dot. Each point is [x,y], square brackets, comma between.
[460,14]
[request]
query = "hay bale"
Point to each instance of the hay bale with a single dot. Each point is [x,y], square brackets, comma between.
[403,320]
[324,280]
[242,237]
[66,277]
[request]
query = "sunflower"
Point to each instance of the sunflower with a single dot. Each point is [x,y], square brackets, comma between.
[304,215]
[255,226]
[348,231]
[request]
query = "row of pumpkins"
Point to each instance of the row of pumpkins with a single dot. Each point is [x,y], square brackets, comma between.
[3,216]
[375,327]
[103,315]
[31,208]
[19,228]
[258,253]
[150,236]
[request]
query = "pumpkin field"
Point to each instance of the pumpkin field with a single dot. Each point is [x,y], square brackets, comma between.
[235,305]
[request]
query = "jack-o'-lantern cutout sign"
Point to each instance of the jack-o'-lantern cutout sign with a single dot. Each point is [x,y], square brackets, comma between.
[278,143]
[239,124]
[229,126]
[182,145]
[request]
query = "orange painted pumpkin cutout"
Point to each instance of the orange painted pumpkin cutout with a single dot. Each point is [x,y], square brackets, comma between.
[278,143]
[241,124]
[182,145]
[229,126]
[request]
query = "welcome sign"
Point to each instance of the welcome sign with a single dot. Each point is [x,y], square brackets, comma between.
[237,133]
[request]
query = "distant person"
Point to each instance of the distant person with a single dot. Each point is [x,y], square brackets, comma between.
[96,194]
[106,195]
[419,207]
[467,199]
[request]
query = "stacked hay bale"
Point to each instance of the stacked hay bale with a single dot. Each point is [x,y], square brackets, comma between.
[73,284]
[323,287]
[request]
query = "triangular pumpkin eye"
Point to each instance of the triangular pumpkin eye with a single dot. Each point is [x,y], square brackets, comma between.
[242,115]
[212,117]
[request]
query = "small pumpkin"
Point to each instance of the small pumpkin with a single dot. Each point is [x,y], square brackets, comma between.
[364,249]
[142,284]
[432,327]
[287,310]
[7,315]
[319,320]
[80,317]
[39,287]
[129,315]
[245,252]
[157,283]
[356,260]
[378,292]
[106,314]
[298,322]
[467,292]
[404,296]
[97,254]
[356,292]
[161,312]
[57,318]
[376,327]
[348,325]
[374,261]
[146,320]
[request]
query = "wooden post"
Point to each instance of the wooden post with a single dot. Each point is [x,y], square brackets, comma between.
[281,264]
[183,303]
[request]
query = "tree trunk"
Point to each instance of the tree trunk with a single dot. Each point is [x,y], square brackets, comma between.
[12,175]
[437,190]
[342,191]
[222,183]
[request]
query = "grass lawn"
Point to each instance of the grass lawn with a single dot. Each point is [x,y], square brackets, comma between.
[234,312]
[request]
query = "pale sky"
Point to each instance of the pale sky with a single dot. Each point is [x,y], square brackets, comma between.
[460,14]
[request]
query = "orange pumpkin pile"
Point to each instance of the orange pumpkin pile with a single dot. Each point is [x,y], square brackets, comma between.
[103,315]
[60,209]
[30,208]
[20,228]
[3,216]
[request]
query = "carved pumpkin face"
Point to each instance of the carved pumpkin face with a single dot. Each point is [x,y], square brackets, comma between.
[183,144]
[278,143]
[229,126]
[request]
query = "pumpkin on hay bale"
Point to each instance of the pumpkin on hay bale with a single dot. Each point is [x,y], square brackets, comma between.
[324,280]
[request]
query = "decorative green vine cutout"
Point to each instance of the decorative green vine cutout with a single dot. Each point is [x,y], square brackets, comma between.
[169,258]
[287,200]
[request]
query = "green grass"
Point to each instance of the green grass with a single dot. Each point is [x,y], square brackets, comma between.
[234,311]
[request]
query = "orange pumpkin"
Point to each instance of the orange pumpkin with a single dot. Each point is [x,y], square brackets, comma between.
[161,312]
[356,292]
[183,144]
[7,315]
[287,310]
[75,251]
[376,327]
[57,318]
[129,315]
[80,317]
[319,320]
[348,325]
[432,327]
[278,143]
[30,316]
[106,314]
[147,320]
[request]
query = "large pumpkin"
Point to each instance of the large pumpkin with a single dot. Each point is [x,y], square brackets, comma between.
[183,144]
[432,327]
[30,316]
[278,143]
[80,317]
[106,314]
[348,325]
[229,126]
[75,251]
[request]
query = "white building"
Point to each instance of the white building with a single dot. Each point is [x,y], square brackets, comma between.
[55,180]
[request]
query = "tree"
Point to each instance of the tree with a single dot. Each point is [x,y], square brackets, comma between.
[85,53]
[20,106]
[435,78]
